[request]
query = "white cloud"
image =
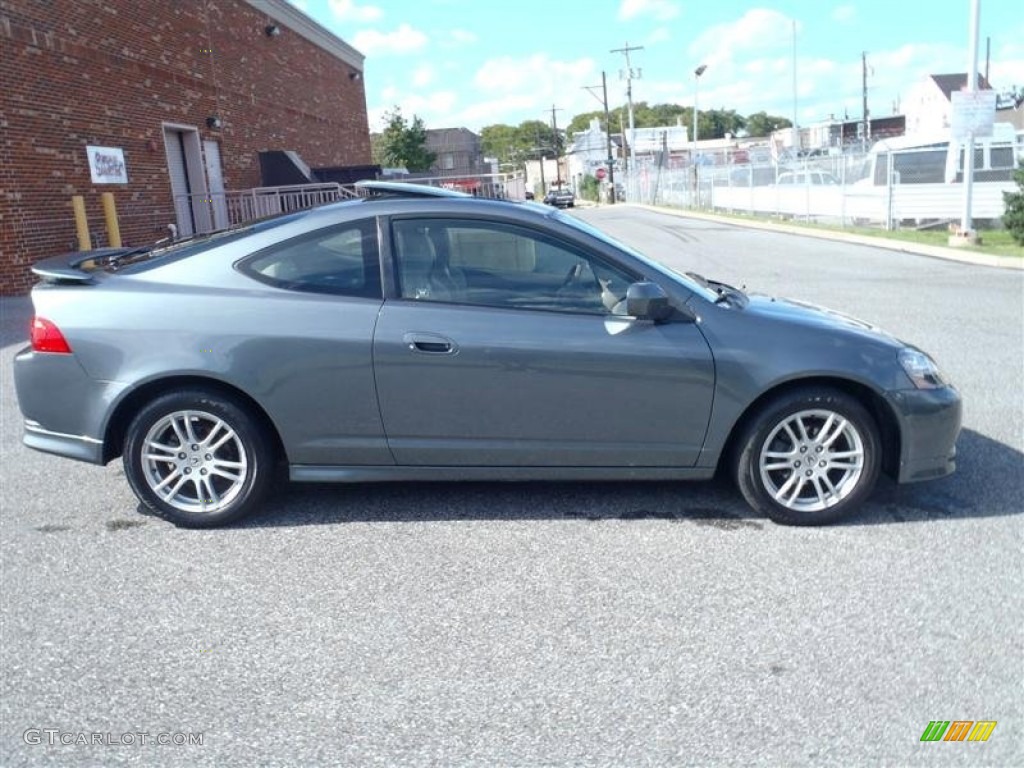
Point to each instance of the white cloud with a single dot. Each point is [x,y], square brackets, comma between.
[844,13]
[537,72]
[1008,60]
[433,108]
[423,75]
[504,90]
[347,10]
[659,35]
[759,30]
[464,36]
[403,40]
[661,10]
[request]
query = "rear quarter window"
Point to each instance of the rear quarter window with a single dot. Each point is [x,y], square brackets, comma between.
[342,260]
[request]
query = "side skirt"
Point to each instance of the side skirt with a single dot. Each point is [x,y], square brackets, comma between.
[309,473]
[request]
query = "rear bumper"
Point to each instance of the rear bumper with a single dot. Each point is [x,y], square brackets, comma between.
[65,409]
[929,426]
[70,446]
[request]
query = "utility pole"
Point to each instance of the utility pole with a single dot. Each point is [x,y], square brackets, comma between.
[865,122]
[554,138]
[796,125]
[629,75]
[607,132]
[540,149]
[608,138]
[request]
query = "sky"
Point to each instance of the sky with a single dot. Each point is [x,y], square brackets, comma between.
[471,63]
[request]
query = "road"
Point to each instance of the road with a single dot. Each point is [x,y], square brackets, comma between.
[545,624]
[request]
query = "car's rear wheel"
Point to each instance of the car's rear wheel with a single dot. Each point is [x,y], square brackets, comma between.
[809,457]
[198,459]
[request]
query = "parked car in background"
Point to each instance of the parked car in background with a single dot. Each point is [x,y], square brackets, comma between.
[560,197]
[423,334]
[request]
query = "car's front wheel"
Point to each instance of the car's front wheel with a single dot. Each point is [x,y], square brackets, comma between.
[198,459]
[809,457]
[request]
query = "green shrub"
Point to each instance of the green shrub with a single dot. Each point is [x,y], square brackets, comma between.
[1013,218]
[589,188]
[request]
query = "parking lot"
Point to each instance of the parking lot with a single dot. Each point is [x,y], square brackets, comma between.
[544,624]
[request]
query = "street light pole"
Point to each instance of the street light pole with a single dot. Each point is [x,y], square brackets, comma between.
[693,152]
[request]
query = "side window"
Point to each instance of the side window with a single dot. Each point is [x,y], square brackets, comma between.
[495,265]
[340,260]
[1002,157]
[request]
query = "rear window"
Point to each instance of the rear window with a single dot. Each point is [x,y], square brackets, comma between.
[183,248]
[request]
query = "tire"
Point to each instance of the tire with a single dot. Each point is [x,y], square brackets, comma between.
[198,459]
[772,470]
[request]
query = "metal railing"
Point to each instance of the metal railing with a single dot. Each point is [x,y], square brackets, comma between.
[197,214]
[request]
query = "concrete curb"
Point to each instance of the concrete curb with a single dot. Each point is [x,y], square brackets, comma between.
[920,249]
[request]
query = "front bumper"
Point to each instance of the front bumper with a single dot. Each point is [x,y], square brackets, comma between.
[929,421]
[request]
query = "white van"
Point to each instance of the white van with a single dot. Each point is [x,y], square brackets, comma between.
[934,159]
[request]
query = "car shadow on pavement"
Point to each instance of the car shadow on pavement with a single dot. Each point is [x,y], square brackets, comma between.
[988,483]
[713,503]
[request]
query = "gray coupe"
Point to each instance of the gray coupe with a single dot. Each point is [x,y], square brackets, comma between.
[423,335]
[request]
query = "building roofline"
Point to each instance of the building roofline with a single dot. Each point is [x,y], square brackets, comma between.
[291,17]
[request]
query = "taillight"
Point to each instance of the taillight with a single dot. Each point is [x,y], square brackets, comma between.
[46,337]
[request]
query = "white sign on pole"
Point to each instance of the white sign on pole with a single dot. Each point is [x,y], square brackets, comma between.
[106,165]
[974,113]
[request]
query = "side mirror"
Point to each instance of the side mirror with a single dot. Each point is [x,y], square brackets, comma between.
[647,301]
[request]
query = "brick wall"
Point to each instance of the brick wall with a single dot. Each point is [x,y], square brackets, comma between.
[110,72]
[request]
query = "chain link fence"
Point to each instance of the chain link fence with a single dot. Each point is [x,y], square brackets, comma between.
[885,187]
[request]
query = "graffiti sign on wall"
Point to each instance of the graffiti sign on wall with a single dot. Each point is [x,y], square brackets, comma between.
[106,165]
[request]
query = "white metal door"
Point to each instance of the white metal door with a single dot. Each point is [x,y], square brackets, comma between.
[174,144]
[215,182]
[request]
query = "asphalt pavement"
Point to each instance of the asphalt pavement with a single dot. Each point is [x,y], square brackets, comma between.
[544,624]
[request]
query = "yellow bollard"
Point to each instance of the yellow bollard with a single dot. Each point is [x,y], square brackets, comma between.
[81,225]
[110,214]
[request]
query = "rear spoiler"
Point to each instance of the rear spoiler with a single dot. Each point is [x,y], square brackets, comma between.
[77,266]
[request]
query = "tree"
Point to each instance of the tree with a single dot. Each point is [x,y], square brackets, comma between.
[762,124]
[403,144]
[515,144]
[1013,218]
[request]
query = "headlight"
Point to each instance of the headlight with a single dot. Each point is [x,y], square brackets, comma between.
[921,369]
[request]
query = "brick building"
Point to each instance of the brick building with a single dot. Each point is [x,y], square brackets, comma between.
[186,94]
[458,152]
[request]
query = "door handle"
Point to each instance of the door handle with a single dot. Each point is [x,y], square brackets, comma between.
[430,343]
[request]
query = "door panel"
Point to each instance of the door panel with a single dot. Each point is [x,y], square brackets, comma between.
[465,386]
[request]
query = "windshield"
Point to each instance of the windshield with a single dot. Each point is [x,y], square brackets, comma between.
[680,277]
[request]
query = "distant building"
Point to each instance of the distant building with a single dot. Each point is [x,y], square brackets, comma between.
[929,107]
[458,152]
[588,151]
[539,179]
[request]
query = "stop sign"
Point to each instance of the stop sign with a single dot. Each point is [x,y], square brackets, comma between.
[600,173]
